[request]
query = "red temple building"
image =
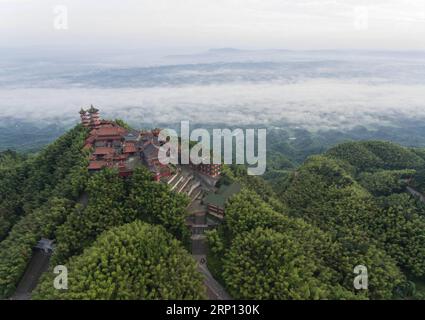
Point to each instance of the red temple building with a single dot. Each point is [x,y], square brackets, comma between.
[107,140]
[116,147]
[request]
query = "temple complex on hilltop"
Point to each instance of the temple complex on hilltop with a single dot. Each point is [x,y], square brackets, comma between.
[113,146]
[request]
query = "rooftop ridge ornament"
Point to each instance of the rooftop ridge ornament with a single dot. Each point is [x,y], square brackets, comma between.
[92,109]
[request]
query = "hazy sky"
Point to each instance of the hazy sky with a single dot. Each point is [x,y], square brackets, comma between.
[293,24]
[109,39]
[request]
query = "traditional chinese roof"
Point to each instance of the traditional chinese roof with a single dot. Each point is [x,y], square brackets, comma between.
[104,138]
[97,165]
[92,110]
[110,131]
[91,139]
[82,111]
[129,148]
[103,151]
[132,136]
[107,123]
[45,244]
[114,145]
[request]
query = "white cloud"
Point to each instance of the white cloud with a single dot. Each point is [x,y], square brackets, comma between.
[320,103]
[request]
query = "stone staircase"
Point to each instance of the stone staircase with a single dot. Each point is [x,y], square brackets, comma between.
[183,182]
[190,184]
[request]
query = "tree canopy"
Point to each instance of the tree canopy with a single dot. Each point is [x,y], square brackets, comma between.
[134,261]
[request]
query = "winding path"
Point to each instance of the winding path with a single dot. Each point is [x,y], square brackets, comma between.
[215,291]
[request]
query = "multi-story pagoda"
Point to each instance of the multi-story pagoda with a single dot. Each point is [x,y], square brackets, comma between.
[94,117]
[85,118]
[90,118]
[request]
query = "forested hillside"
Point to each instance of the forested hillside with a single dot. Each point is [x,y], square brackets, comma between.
[341,209]
[51,195]
[134,261]
[297,237]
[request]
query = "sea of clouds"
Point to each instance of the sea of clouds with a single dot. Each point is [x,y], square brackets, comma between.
[336,90]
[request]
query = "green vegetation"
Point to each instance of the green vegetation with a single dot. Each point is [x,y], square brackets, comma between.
[113,201]
[51,195]
[36,196]
[10,159]
[322,263]
[386,182]
[296,233]
[373,155]
[134,261]
[16,249]
[154,203]
[400,227]
[338,210]
[122,124]
[324,194]
[104,210]
[55,171]
[358,155]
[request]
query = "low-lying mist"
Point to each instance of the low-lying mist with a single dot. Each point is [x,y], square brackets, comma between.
[311,90]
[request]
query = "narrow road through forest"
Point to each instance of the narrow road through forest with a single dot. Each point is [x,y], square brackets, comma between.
[215,291]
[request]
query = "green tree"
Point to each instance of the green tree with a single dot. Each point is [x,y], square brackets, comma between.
[105,209]
[134,261]
[16,249]
[154,203]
